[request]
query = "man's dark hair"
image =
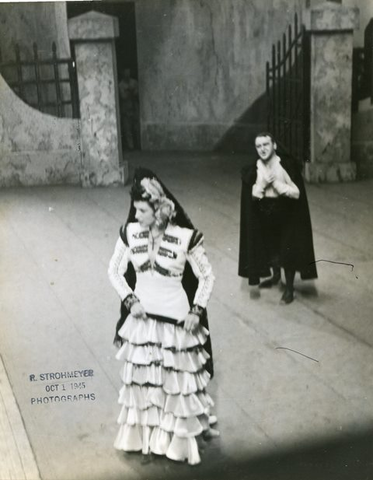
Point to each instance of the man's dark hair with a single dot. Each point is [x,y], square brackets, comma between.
[265,134]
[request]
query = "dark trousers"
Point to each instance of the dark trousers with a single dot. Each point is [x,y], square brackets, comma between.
[273,219]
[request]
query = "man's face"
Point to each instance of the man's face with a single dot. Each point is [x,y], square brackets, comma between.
[265,147]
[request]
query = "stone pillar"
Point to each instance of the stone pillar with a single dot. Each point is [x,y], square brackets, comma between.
[93,36]
[331,28]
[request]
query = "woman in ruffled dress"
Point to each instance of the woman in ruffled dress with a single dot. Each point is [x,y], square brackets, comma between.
[161,272]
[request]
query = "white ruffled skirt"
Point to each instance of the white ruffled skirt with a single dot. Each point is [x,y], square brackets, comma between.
[164,402]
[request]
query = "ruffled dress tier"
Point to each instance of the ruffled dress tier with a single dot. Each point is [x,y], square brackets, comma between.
[164,403]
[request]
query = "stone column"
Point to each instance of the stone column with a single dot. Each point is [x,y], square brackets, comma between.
[93,36]
[331,28]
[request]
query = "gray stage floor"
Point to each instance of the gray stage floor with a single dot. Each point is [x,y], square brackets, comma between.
[283,412]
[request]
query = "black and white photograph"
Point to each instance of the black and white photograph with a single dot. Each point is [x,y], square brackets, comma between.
[186,239]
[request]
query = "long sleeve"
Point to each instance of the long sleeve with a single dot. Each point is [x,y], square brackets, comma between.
[286,188]
[258,192]
[259,186]
[203,271]
[118,267]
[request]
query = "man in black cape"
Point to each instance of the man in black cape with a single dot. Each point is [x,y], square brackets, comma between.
[275,229]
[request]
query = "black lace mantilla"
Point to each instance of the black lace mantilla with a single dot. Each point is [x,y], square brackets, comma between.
[190,282]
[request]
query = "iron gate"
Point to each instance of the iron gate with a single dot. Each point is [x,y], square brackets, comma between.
[288,93]
[47,84]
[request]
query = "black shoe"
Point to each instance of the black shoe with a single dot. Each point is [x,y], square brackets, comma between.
[270,282]
[287,297]
[254,293]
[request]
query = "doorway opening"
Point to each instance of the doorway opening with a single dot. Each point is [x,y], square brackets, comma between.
[127,66]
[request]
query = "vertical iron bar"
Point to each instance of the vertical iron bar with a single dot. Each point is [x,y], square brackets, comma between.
[37,76]
[60,107]
[290,88]
[274,96]
[268,97]
[297,114]
[284,91]
[301,98]
[295,25]
[73,90]
[306,72]
[371,66]
[74,84]
[19,72]
[279,126]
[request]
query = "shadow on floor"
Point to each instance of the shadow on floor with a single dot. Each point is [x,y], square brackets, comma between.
[240,136]
[344,458]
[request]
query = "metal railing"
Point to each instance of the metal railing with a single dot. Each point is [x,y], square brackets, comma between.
[47,84]
[288,92]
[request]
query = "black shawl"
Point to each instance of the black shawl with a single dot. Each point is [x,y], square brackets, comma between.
[189,280]
[296,249]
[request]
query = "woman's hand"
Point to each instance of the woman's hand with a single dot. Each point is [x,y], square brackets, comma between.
[191,322]
[137,310]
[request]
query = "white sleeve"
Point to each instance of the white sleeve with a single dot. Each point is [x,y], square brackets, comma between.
[258,192]
[203,271]
[286,188]
[118,267]
[259,185]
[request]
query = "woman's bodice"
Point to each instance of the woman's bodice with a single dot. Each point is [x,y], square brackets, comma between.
[160,280]
[170,257]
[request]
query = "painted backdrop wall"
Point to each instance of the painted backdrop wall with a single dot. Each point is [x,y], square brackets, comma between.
[202,69]
[25,23]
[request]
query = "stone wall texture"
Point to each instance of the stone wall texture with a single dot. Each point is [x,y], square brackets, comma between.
[366,13]
[36,148]
[331,97]
[202,67]
[93,34]
[25,23]
[331,28]
[98,108]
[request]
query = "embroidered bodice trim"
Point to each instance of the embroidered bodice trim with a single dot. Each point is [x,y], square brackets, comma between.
[145,266]
[143,234]
[164,271]
[140,249]
[171,239]
[185,245]
[165,252]
[143,248]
